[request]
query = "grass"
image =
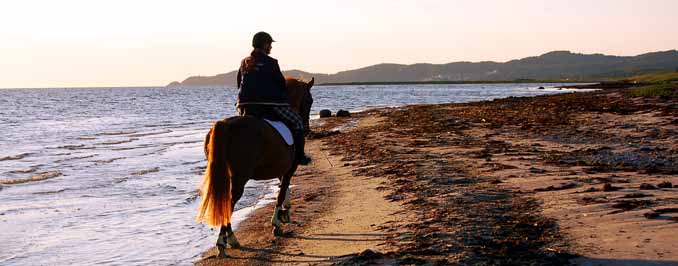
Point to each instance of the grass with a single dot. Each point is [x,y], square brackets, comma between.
[655,85]
[514,81]
[657,90]
[656,78]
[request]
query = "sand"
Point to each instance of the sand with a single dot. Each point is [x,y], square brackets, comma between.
[334,214]
[522,181]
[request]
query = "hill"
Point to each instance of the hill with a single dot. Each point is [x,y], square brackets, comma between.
[556,65]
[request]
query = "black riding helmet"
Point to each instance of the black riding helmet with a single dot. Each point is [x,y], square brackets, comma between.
[261,39]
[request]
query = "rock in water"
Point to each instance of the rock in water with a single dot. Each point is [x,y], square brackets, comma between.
[343,113]
[665,184]
[541,88]
[325,113]
[646,186]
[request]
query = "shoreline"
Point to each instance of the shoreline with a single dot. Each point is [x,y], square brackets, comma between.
[479,82]
[558,178]
[526,81]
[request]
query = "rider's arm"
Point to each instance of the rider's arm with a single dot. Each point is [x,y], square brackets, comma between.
[239,76]
[237,83]
[278,76]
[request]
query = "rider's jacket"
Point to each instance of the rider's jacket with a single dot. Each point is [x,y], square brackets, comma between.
[260,81]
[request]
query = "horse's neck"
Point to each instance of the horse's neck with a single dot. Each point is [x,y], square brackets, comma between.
[294,100]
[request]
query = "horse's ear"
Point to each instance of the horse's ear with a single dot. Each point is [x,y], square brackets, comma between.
[310,83]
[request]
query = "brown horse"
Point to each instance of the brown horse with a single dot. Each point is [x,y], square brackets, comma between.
[242,148]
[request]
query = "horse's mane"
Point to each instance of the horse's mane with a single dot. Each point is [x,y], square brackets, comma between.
[294,83]
[297,91]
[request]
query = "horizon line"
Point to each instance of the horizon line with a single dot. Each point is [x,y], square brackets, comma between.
[309,72]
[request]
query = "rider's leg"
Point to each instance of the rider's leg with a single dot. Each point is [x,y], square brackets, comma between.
[293,120]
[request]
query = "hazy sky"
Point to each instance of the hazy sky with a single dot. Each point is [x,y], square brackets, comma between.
[127,43]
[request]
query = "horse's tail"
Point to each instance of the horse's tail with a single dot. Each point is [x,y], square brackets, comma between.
[215,207]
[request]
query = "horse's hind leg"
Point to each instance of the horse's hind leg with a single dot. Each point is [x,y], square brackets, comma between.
[226,235]
[236,194]
[221,242]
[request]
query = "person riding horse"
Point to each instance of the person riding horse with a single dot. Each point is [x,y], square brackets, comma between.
[245,147]
[262,92]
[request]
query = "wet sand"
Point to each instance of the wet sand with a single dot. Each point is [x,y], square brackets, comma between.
[586,178]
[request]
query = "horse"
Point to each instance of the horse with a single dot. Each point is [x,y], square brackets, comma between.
[242,148]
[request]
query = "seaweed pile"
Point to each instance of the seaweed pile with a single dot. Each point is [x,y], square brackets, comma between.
[458,216]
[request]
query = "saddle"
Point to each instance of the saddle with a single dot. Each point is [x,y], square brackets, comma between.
[265,114]
[282,130]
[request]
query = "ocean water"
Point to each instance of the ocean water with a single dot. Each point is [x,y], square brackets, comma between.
[110,175]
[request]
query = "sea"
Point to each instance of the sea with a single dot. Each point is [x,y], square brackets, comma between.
[109,176]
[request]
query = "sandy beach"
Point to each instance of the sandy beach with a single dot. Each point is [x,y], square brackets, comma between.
[584,178]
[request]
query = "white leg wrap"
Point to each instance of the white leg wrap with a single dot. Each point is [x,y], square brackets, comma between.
[275,221]
[288,199]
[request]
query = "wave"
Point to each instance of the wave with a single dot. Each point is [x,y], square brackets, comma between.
[115,133]
[75,147]
[141,146]
[34,178]
[200,170]
[192,198]
[15,157]
[99,162]
[147,171]
[26,171]
[75,158]
[117,142]
[49,192]
[185,142]
[159,151]
[149,134]
[178,124]
[192,162]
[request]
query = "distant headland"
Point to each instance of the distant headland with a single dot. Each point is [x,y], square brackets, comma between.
[552,66]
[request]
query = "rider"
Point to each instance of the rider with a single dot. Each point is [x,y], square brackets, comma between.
[262,91]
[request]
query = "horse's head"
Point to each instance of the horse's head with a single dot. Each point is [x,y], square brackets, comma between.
[299,93]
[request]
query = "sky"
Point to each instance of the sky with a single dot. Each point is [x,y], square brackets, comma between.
[70,43]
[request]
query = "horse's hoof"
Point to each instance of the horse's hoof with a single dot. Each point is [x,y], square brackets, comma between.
[222,252]
[285,216]
[277,231]
[233,242]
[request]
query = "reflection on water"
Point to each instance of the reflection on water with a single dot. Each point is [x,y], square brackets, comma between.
[110,176]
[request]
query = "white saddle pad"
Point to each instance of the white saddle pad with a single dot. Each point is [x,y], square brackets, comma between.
[284,132]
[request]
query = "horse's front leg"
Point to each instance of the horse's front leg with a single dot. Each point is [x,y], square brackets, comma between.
[286,206]
[278,212]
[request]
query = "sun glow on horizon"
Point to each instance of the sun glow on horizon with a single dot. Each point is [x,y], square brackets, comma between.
[138,43]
